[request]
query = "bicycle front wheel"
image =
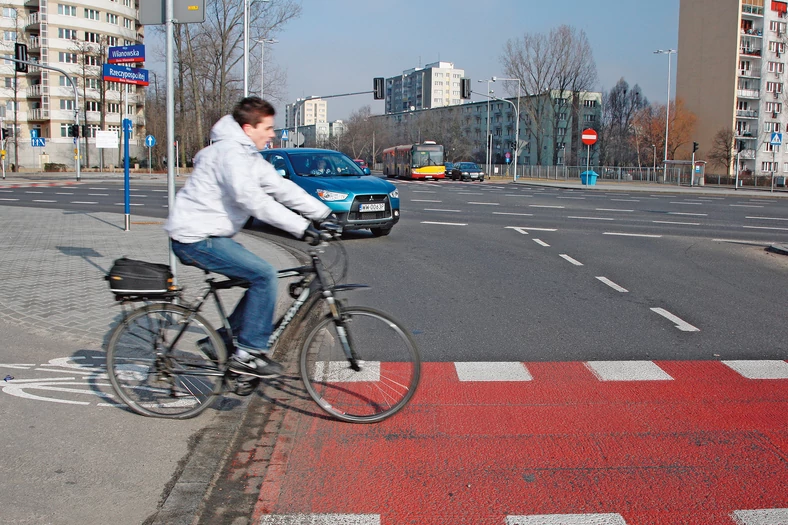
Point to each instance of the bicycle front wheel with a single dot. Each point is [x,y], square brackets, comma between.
[166,361]
[387,357]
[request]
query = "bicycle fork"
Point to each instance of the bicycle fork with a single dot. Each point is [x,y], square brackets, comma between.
[344,336]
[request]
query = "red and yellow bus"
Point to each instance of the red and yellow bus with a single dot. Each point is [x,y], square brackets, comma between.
[414,161]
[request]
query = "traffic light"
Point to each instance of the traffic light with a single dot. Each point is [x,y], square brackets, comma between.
[465,88]
[20,53]
[4,133]
[378,88]
[85,131]
[694,147]
[73,130]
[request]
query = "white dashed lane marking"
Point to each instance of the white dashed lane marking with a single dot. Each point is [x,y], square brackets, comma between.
[612,284]
[682,325]
[571,260]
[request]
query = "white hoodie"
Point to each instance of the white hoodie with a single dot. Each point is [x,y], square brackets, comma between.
[231,182]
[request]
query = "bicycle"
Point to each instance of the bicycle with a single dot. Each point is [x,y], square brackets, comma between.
[358,364]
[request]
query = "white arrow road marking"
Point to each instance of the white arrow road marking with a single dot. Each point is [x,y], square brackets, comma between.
[541,242]
[525,229]
[682,325]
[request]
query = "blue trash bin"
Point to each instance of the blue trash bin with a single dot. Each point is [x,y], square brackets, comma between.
[588,178]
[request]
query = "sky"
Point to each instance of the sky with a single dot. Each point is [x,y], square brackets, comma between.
[339,46]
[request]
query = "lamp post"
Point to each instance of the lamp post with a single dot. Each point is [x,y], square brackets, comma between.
[263,42]
[487,136]
[517,125]
[667,110]
[246,45]
[655,161]
[516,110]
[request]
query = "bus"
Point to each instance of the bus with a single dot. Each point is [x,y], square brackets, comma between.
[414,161]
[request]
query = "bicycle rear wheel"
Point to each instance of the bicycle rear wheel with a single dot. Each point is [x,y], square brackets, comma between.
[389,362]
[154,374]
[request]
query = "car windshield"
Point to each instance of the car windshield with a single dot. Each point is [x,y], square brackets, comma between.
[324,164]
[427,156]
[468,166]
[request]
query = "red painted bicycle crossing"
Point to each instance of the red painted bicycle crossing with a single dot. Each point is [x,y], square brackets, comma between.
[572,443]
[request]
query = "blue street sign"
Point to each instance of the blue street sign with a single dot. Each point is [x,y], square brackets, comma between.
[777,139]
[33,133]
[121,54]
[150,141]
[284,134]
[125,75]
[38,142]
[126,124]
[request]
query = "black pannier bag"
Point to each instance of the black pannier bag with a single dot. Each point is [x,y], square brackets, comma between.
[130,277]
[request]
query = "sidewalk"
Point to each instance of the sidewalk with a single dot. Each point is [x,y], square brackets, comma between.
[55,304]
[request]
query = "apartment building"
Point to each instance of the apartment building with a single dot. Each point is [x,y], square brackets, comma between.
[731,74]
[306,112]
[73,36]
[432,86]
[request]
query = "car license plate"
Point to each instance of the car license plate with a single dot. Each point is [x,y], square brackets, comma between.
[375,206]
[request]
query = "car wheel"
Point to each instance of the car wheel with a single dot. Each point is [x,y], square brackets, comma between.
[381,232]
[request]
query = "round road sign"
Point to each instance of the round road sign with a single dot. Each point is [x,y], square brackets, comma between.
[589,137]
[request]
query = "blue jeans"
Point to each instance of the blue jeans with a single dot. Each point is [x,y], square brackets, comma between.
[252,319]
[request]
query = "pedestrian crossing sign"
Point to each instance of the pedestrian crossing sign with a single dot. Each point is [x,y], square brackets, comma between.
[777,139]
[284,134]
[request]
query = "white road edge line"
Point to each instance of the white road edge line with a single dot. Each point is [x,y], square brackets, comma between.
[612,284]
[437,209]
[682,325]
[519,228]
[567,258]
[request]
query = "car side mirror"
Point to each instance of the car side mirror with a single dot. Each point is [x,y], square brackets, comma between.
[282,172]
[366,171]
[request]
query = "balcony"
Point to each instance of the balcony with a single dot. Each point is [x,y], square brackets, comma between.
[748,93]
[35,91]
[752,10]
[750,52]
[747,154]
[38,114]
[749,73]
[35,45]
[747,113]
[33,19]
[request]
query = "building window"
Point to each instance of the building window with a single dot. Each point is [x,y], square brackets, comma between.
[67,58]
[128,23]
[774,87]
[9,36]
[589,118]
[92,37]
[588,103]
[92,14]
[68,34]
[66,103]
[9,12]
[112,40]
[67,10]
[776,67]
[113,107]
[91,60]
[112,19]
[91,105]
[127,3]
[9,82]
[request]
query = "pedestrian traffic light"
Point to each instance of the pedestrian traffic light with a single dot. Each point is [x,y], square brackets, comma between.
[378,88]
[85,131]
[73,130]
[694,147]
[4,133]
[20,53]
[465,88]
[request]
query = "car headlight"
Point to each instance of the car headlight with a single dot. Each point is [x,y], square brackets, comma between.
[394,194]
[327,195]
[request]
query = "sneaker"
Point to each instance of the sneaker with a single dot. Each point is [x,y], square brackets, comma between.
[257,366]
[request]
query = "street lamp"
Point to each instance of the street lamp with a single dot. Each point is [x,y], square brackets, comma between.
[655,161]
[516,111]
[487,136]
[263,42]
[246,46]
[667,108]
[517,125]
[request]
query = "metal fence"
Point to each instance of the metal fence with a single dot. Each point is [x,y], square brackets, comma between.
[677,174]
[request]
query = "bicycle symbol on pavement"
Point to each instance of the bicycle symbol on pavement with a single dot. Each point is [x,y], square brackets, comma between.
[75,379]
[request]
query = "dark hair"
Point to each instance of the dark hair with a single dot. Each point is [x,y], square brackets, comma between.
[252,110]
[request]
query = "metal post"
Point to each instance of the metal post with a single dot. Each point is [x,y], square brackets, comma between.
[246,48]
[588,163]
[170,47]
[667,111]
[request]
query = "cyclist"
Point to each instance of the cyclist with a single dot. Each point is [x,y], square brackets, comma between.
[231,182]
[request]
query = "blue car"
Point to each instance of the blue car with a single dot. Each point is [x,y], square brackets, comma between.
[358,199]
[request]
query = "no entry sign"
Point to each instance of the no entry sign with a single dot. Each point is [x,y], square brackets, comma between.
[589,137]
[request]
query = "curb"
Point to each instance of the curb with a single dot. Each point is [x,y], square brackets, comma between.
[782,249]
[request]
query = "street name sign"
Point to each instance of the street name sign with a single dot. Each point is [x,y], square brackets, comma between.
[126,75]
[121,54]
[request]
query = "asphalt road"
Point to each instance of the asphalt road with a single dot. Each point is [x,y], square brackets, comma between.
[517,272]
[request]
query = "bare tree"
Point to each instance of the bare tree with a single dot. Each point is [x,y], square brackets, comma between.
[721,152]
[551,67]
[619,142]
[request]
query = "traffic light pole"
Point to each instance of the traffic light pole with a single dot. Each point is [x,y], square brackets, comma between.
[76,96]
